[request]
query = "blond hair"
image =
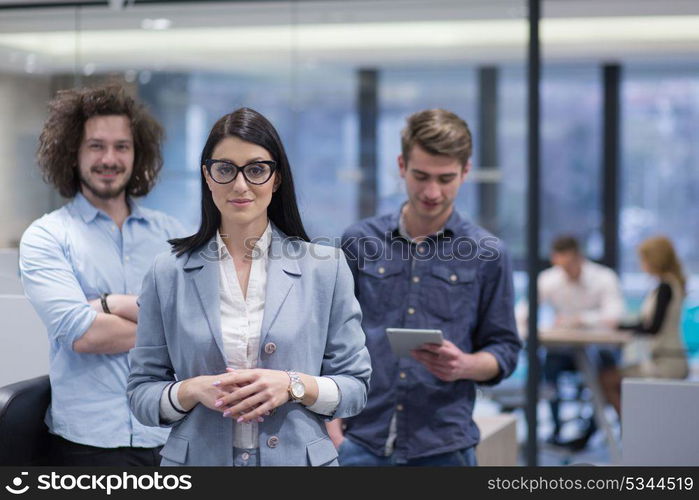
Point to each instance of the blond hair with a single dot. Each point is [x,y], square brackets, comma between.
[438,132]
[660,256]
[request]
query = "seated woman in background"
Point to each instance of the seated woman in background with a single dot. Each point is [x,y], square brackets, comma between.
[657,350]
[247,320]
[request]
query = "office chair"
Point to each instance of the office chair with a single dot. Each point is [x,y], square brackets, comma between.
[23,434]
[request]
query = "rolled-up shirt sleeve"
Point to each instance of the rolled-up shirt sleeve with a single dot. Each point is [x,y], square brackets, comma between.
[497,329]
[328,396]
[51,286]
[170,408]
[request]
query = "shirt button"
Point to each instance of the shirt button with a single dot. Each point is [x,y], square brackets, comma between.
[416,279]
[273,441]
[399,407]
[127,258]
[245,456]
[402,375]
[270,347]
[411,310]
[421,249]
[453,277]
[382,270]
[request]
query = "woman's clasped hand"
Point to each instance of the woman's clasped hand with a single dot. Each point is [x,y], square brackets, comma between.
[244,395]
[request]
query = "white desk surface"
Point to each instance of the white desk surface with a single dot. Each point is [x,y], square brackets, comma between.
[582,337]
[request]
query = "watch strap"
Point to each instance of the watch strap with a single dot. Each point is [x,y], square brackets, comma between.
[293,379]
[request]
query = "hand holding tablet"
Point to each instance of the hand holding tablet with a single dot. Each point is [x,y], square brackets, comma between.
[404,340]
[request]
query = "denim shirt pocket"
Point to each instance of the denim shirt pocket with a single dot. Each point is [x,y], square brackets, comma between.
[450,291]
[379,285]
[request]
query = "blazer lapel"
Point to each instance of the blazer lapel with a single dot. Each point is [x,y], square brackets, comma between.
[282,271]
[204,271]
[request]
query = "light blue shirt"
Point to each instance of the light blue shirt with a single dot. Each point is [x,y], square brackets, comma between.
[67,258]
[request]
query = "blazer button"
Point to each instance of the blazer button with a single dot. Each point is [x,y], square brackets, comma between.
[270,347]
[273,441]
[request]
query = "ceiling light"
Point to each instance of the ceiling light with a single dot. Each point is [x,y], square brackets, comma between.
[156,24]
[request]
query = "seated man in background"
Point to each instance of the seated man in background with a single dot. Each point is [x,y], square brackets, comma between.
[582,294]
[82,267]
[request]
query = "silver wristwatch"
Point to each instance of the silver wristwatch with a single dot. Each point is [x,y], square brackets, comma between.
[296,388]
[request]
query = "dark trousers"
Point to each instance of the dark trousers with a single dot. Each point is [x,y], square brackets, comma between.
[64,452]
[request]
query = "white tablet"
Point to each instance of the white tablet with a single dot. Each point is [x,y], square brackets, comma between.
[404,340]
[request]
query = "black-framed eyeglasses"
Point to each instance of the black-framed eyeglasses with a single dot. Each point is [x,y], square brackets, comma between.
[224,172]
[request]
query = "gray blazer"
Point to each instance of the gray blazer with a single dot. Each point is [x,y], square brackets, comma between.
[311,324]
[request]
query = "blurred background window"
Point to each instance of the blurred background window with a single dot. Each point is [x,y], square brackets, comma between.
[401,93]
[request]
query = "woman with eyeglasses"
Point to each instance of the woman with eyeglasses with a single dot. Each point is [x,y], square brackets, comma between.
[249,337]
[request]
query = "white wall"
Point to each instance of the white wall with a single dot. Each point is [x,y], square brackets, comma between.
[23,194]
[10,282]
[24,351]
[23,341]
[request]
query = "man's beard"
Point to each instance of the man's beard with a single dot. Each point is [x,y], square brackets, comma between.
[102,193]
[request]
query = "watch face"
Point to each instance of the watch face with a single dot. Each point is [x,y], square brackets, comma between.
[298,390]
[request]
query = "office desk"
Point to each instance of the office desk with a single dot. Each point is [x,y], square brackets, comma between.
[575,337]
[579,340]
[498,445]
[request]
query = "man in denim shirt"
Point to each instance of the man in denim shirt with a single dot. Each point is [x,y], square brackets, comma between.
[427,267]
[82,267]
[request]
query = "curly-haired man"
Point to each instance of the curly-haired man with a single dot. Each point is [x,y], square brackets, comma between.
[82,266]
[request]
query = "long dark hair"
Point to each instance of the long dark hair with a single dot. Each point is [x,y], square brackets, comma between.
[283,211]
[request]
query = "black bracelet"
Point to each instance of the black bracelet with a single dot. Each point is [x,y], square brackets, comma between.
[169,397]
[103,301]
